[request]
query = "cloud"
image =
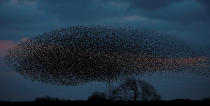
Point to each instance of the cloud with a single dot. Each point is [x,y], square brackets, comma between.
[206,4]
[182,12]
[5,45]
[28,18]
[80,10]
[150,4]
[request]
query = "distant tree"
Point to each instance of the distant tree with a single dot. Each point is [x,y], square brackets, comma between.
[206,99]
[48,99]
[133,90]
[98,96]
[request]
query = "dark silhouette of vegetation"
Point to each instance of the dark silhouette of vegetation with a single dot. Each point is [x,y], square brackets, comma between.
[98,96]
[49,100]
[134,90]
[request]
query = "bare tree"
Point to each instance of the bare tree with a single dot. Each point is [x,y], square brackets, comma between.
[133,90]
[98,96]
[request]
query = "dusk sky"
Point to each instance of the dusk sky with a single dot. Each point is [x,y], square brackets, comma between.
[187,20]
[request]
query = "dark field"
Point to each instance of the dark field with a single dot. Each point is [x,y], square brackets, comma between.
[48,100]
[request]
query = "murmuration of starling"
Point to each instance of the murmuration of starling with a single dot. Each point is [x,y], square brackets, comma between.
[80,54]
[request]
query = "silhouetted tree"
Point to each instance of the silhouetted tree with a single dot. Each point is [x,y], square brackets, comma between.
[48,99]
[98,96]
[133,90]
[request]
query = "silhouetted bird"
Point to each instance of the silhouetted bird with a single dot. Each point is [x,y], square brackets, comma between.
[80,54]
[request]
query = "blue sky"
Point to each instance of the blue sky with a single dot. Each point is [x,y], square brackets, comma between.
[187,20]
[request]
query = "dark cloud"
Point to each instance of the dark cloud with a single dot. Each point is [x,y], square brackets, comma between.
[151,4]
[21,18]
[205,3]
[145,4]
[183,12]
[186,12]
[21,15]
[82,11]
[78,10]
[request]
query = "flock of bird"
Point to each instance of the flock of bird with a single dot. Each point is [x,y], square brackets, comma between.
[80,54]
